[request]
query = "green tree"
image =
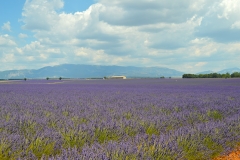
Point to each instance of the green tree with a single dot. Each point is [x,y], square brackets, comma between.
[189,76]
[235,75]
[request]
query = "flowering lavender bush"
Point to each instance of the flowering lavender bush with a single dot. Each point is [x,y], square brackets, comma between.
[119,119]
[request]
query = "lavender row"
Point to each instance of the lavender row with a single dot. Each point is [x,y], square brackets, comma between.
[119,119]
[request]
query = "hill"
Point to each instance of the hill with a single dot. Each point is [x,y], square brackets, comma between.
[90,71]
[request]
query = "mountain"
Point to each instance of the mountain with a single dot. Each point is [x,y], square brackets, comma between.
[229,70]
[90,71]
[206,72]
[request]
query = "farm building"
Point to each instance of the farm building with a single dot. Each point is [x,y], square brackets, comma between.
[117,77]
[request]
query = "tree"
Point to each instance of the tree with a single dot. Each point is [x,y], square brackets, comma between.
[215,75]
[25,79]
[227,75]
[235,75]
[60,78]
[47,78]
[189,76]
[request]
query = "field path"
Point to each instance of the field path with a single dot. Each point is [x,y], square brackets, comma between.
[235,155]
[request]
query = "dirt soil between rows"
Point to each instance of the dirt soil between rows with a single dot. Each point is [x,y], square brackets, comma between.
[234,155]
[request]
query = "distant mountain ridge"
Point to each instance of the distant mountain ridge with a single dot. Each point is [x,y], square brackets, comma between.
[90,71]
[97,71]
[206,72]
[229,70]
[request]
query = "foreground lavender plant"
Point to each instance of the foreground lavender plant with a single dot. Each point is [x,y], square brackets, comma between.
[119,119]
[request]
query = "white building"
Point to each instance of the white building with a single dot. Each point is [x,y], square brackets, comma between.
[118,77]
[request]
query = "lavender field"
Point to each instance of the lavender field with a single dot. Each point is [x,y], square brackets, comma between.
[164,119]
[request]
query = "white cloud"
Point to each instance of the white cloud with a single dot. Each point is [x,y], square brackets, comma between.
[98,56]
[190,35]
[229,8]
[30,58]
[21,35]
[203,48]
[200,64]
[34,46]
[19,50]
[143,12]
[236,25]
[40,14]
[43,56]
[81,52]
[6,40]
[220,21]
[7,26]
[53,50]
[8,58]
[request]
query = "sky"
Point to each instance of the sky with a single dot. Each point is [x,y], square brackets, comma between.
[188,35]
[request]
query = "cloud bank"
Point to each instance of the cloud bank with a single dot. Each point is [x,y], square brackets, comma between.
[7,26]
[189,36]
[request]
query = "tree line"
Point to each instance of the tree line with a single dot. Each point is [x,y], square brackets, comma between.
[212,75]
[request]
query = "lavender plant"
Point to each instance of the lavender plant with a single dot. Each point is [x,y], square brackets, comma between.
[115,119]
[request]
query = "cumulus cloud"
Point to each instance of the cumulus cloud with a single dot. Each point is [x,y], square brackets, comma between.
[6,41]
[40,14]
[200,64]
[21,35]
[221,22]
[191,35]
[236,25]
[7,58]
[228,9]
[7,26]
[143,12]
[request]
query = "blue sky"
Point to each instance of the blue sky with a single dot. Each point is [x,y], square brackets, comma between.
[189,36]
